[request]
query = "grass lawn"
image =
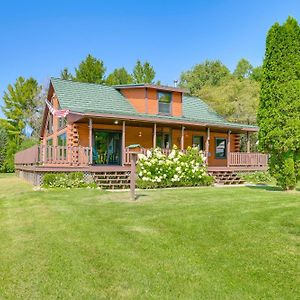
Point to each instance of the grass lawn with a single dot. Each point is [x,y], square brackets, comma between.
[206,243]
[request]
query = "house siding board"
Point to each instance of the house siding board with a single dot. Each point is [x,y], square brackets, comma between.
[177,104]
[136,98]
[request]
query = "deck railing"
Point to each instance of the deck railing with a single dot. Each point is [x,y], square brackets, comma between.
[54,155]
[81,156]
[242,159]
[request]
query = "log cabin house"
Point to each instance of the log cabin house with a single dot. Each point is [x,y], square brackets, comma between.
[103,121]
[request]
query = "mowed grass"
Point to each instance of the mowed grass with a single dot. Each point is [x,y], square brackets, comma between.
[205,243]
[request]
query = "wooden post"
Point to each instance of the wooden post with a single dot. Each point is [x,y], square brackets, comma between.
[228,148]
[133,175]
[207,141]
[91,140]
[123,143]
[248,142]
[154,136]
[182,139]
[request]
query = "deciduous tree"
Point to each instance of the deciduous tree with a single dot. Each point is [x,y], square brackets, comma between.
[119,76]
[143,72]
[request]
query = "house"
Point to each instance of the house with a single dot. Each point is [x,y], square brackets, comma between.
[103,121]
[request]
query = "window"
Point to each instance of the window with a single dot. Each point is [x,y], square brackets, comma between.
[198,142]
[62,140]
[164,102]
[62,122]
[50,142]
[221,148]
[163,140]
[50,124]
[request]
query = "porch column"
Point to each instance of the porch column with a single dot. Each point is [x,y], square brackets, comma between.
[123,143]
[207,141]
[154,135]
[228,148]
[91,140]
[182,138]
[248,142]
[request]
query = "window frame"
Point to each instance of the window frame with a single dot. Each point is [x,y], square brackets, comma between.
[225,150]
[202,138]
[170,104]
[59,137]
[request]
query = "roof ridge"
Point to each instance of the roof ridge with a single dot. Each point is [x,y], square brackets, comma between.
[80,82]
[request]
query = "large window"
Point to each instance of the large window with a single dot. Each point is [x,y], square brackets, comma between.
[198,142]
[221,148]
[62,122]
[163,140]
[62,140]
[164,102]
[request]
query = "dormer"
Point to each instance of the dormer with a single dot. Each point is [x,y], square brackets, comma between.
[154,99]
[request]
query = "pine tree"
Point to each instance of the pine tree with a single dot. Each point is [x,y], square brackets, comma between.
[65,74]
[90,70]
[143,73]
[279,108]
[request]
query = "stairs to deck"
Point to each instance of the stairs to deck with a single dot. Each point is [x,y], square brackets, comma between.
[226,177]
[112,179]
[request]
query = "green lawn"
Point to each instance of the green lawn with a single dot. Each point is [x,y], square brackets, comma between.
[206,243]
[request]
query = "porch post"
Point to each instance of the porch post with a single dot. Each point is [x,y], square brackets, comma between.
[123,143]
[248,142]
[207,141]
[182,138]
[91,140]
[228,148]
[154,135]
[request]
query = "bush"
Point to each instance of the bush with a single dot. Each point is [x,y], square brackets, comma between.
[157,170]
[66,180]
[257,177]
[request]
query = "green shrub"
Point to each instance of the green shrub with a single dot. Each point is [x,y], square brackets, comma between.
[66,180]
[257,177]
[157,170]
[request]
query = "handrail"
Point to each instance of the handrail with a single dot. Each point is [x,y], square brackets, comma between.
[244,159]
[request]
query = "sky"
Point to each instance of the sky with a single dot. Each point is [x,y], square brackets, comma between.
[40,38]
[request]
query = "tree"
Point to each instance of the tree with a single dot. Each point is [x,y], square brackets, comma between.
[65,74]
[256,74]
[143,73]
[279,108]
[3,145]
[21,105]
[234,99]
[243,69]
[119,76]
[90,70]
[209,72]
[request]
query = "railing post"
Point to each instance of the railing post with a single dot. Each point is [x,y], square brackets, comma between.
[133,175]
[207,143]
[182,138]
[154,136]
[248,142]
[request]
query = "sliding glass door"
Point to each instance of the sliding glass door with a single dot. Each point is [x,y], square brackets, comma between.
[107,148]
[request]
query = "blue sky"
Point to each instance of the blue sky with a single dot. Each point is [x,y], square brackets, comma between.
[39,38]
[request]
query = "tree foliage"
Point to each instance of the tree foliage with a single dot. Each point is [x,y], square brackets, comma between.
[90,70]
[65,74]
[279,108]
[207,73]
[3,145]
[119,76]
[143,72]
[243,69]
[21,105]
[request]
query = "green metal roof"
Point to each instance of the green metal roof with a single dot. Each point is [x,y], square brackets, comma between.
[96,98]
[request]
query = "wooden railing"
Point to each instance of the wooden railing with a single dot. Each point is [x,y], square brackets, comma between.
[54,155]
[243,159]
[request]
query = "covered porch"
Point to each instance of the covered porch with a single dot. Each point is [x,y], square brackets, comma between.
[102,143]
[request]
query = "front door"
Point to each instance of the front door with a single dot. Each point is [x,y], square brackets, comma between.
[107,148]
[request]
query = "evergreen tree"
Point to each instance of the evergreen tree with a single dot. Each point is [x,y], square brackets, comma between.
[119,76]
[243,69]
[143,73]
[90,70]
[279,109]
[65,74]
[3,145]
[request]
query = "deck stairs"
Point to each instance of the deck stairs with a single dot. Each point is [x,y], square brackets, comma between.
[112,179]
[226,177]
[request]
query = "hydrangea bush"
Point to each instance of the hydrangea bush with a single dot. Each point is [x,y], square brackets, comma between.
[177,169]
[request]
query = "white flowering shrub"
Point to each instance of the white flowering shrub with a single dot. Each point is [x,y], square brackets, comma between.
[177,169]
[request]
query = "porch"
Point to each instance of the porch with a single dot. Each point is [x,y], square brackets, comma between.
[79,158]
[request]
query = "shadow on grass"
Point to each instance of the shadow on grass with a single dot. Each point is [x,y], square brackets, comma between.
[269,188]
